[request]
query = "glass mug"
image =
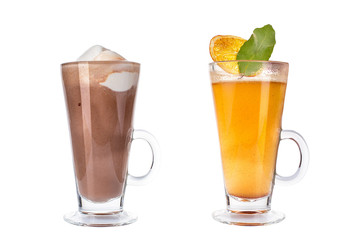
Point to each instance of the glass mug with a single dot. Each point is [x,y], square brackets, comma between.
[100,99]
[248,112]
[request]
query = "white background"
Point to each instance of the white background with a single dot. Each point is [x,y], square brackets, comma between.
[320,40]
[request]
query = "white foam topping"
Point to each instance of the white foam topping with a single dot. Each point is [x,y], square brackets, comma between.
[99,53]
[121,81]
[215,77]
[116,81]
[268,73]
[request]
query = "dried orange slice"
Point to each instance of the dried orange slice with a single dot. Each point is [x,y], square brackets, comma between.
[225,48]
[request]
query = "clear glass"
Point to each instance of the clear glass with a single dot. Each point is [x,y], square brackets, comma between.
[249,112]
[100,99]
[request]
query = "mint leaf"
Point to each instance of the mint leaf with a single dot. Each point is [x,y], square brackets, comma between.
[259,47]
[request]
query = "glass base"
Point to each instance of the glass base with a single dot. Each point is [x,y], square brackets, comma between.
[100,220]
[248,218]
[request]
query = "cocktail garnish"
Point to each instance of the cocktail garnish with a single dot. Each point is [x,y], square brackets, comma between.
[259,47]
[225,48]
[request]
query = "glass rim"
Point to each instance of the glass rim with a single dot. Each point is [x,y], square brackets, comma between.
[258,61]
[101,62]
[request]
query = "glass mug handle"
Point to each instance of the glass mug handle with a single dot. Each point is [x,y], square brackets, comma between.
[150,139]
[304,158]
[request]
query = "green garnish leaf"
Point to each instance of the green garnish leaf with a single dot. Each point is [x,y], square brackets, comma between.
[259,47]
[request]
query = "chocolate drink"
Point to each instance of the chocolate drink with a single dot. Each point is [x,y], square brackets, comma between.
[100,100]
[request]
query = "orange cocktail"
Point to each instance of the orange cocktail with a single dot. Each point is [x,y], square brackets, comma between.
[249,93]
[249,123]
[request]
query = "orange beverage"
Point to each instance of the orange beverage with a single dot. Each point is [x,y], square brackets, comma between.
[249,124]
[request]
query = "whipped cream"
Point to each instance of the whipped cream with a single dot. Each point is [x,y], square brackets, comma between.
[99,53]
[121,82]
[116,81]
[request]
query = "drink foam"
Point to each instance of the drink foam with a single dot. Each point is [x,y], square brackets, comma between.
[99,53]
[121,82]
[268,73]
[116,81]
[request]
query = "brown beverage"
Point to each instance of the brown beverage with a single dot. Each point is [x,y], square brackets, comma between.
[100,101]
